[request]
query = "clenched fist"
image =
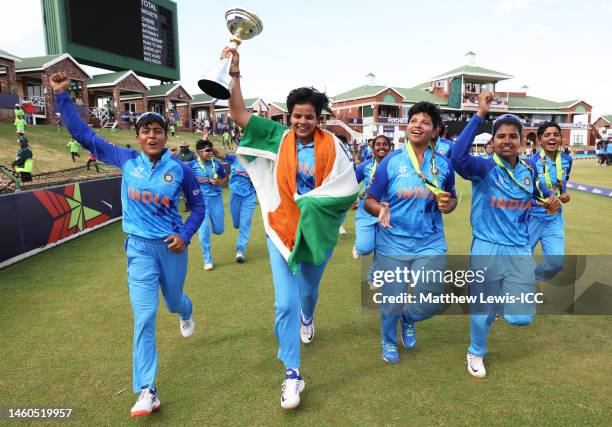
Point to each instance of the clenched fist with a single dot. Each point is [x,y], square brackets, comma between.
[59,82]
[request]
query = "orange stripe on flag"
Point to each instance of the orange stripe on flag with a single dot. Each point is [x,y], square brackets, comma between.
[285,219]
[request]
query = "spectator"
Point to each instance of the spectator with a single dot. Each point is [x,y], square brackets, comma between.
[19,113]
[91,160]
[601,154]
[227,140]
[29,110]
[24,162]
[109,109]
[57,119]
[185,154]
[73,146]
[20,123]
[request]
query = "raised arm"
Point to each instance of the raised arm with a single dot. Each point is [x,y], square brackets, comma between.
[82,133]
[466,165]
[220,155]
[237,110]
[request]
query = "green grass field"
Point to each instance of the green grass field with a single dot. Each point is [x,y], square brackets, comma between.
[66,330]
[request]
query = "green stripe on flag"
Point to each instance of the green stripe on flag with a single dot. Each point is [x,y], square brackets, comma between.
[317,231]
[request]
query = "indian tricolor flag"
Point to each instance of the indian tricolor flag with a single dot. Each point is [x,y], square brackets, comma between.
[303,227]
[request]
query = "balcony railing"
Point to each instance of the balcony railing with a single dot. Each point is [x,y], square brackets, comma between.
[39,103]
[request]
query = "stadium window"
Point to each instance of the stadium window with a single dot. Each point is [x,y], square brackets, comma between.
[34,90]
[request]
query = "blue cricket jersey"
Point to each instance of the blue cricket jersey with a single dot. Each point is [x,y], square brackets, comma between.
[444,147]
[305,175]
[566,166]
[500,209]
[416,221]
[364,174]
[239,183]
[205,172]
[150,193]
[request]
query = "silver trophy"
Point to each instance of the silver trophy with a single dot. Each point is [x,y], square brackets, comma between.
[243,25]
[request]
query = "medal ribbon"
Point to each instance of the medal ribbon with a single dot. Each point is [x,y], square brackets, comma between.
[214,168]
[559,183]
[500,163]
[433,186]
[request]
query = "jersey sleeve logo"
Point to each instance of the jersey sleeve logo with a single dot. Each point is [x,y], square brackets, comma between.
[527,181]
[168,178]
[137,172]
[402,170]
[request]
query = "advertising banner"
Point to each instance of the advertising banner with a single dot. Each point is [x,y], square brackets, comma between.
[33,221]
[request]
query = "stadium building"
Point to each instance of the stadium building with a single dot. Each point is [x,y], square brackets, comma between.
[105,97]
[372,109]
[603,127]
[32,84]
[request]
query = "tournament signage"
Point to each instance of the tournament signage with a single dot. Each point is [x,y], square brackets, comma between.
[394,120]
[139,35]
[42,219]
[599,191]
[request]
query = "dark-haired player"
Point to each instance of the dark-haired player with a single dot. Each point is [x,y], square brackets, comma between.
[553,169]
[502,192]
[285,165]
[211,176]
[417,186]
[156,245]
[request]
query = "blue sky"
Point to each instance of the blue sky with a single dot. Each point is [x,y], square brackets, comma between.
[559,48]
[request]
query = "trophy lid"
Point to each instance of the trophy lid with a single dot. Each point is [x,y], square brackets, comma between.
[240,18]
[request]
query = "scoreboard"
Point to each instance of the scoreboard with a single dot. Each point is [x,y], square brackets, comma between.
[141,35]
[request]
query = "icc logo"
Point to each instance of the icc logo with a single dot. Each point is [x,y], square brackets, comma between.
[168,178]
[527,181]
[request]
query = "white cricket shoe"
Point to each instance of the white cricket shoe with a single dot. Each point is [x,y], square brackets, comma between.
[208,266]
[355,253]
[306,331]
[239,257]
[475,365]
[187,327]
[147,402]
[290,394]
[342,230]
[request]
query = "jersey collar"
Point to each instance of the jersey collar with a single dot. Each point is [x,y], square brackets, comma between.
[166,155]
